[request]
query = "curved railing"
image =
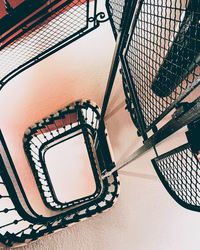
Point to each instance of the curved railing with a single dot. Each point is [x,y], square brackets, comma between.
[80,118]
[83,116]
[179,171]
[45,31]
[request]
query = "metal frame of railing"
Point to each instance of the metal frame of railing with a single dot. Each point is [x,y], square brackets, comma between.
[63,24]
[178,170]
[58,24]
[30,225]
[128,19]
[137,36]
[81,118]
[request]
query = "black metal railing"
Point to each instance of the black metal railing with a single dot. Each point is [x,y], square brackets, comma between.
[179,171]
[163,56]
[58,24]
[158,45]
[161,59]
[116,10]
[51,28]
[16,229]
[80,116]
[77,119]
[130,104]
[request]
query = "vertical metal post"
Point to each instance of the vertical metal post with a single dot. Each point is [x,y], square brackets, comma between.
[120,44]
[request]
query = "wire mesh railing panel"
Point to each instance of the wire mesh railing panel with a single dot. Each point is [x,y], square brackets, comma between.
[163,55]
[179,171]
[67,22]
[129,103]
[115,10]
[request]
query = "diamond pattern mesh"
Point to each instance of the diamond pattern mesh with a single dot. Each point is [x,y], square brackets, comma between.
[163,54]
[116,10]
[179,171]
[60,27]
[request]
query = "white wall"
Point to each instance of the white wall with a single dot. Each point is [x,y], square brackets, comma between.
[145,217]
